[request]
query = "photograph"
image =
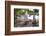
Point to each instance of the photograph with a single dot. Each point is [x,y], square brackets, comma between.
[26,17]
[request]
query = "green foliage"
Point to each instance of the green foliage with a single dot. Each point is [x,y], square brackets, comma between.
[22,11]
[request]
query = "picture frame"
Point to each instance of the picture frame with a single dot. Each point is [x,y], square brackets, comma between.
[10,6]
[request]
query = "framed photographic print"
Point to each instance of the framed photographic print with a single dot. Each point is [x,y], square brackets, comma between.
[24,18]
